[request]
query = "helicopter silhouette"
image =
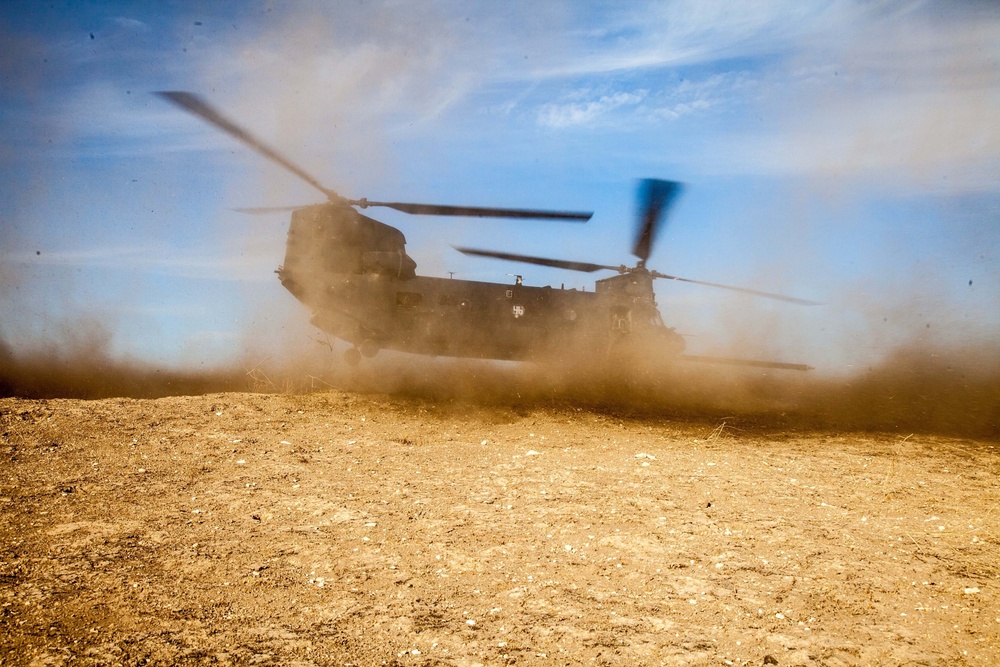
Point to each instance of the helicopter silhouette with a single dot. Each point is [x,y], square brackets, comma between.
[354,274]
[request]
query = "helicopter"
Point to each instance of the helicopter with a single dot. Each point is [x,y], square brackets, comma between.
[354,274]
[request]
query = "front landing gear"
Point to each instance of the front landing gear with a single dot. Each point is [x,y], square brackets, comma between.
[368,348]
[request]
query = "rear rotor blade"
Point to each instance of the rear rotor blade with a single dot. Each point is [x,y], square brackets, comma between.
[197,106]
[745,362]
[478,211]
[744,290]
[543,261]
[655,199]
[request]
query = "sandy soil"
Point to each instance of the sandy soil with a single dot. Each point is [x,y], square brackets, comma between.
[335,528]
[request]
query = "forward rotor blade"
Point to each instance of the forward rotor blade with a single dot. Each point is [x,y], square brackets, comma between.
[744,290]
[197,106]
[655,199]
[478,211]
[586,267]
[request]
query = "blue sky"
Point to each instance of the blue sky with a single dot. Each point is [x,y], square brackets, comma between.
[847,152]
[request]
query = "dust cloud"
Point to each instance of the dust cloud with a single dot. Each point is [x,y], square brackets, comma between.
[916,388]
[77,363]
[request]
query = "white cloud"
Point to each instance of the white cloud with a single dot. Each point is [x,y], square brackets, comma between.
[908,104]
[902,96]
[130,24]
[686,32]
[586,113]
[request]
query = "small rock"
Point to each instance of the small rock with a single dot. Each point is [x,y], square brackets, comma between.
[770,660]
[971,591]
[531,452]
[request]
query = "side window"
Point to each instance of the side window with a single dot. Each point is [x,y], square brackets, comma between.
[408,299]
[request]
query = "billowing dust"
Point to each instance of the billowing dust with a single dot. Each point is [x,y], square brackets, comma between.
[916,388]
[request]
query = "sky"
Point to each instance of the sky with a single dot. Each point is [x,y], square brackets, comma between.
[844,152]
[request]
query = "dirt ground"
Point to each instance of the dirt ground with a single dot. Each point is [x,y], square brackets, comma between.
[343,528]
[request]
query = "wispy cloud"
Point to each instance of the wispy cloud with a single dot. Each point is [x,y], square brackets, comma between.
[908,103]
[899,94]
[588,112]
[130,24]
[688,32]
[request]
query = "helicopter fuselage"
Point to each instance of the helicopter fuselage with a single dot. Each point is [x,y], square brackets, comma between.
[353,273]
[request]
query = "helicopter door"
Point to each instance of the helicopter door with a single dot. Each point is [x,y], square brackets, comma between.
[621,320]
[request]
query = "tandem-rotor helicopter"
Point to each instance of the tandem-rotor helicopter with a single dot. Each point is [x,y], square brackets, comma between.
[353,273]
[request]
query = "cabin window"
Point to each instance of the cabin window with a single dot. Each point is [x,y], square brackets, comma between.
[409,299]
[381,262]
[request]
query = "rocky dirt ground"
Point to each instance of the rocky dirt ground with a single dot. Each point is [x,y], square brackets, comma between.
[341,528]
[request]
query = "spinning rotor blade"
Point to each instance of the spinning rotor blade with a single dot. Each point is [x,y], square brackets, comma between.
[543,261]
[655,199]
[197,106]
[745,362]
[477,211]
[744,290]
[588,267]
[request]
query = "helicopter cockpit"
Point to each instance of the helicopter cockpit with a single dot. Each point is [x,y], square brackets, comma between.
[332,239]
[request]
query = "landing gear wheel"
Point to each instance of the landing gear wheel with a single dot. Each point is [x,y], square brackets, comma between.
[352,357]
[368,348]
